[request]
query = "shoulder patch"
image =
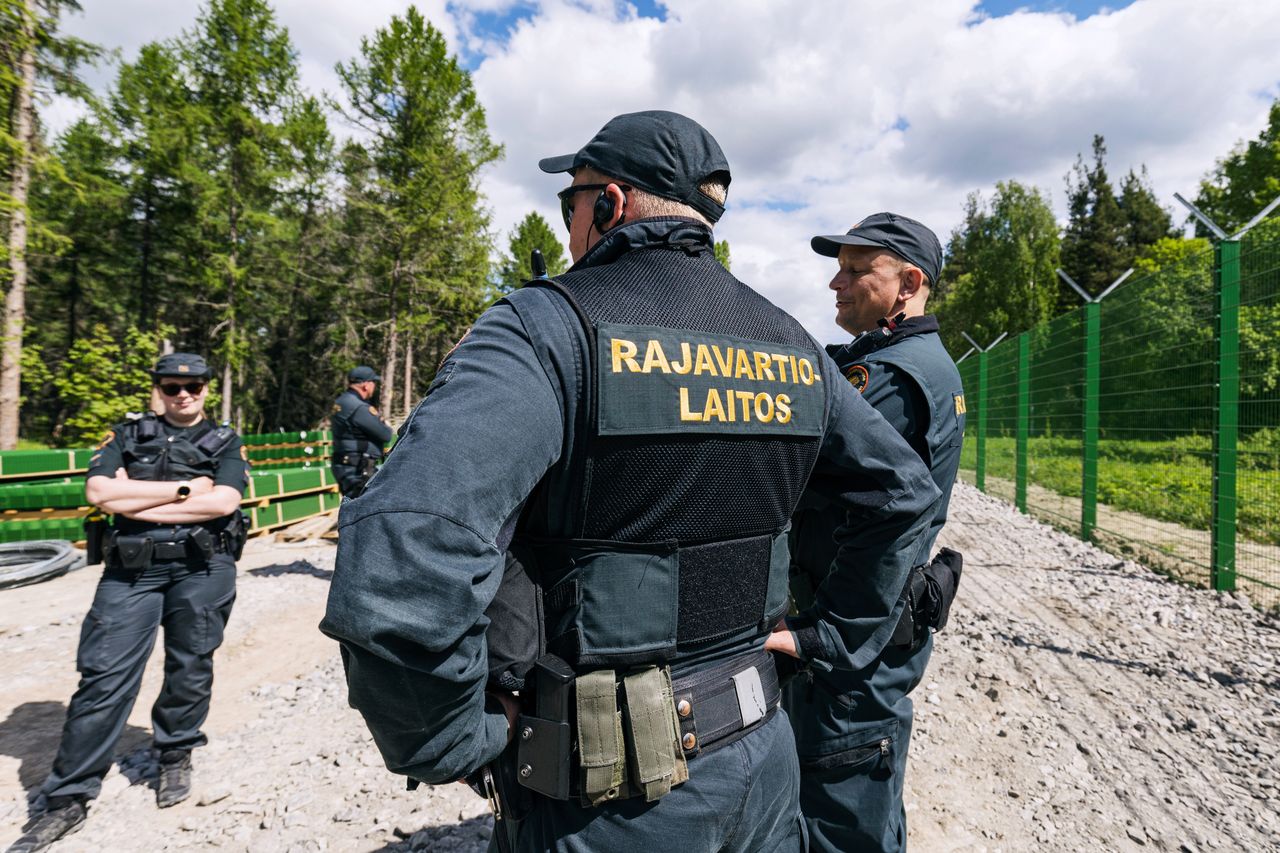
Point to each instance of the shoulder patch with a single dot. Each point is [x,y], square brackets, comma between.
[858,376]
[337,408]
[107,439]
[373,410]
[244,453]
[961,408]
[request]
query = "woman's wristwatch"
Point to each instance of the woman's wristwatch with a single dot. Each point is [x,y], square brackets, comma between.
[184,491]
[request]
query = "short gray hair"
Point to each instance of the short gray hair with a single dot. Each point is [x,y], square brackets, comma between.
[643,204]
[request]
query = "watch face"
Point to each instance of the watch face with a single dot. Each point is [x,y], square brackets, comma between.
[184,490]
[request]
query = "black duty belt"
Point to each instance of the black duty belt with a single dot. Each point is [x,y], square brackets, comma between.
[719,705]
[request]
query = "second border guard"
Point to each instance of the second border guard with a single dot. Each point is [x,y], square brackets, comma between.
[853,727]
[638,432]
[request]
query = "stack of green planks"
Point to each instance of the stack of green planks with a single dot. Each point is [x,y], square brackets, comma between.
[42,491]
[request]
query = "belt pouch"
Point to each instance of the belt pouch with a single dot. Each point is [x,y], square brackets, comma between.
[200,543]
[546,739]
[658,763]
[134,552]
[600,745]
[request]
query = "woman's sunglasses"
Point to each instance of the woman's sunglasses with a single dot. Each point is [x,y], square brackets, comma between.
[175,388]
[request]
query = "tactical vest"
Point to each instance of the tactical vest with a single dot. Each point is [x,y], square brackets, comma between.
[702,413]
[348,437]
[149,454]
[926,361]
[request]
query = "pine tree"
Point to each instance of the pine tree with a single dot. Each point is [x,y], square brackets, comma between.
[533,232]
[420,199]
[1094,250]
[1146,222]
[244,73]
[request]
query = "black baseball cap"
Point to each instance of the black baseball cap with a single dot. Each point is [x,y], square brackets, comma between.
[905,237]
[662,152]
[363,373]
[181,364]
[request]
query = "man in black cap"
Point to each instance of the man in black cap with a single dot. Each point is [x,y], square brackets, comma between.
[173,484]
[853,732]
[359,434]
[636,433]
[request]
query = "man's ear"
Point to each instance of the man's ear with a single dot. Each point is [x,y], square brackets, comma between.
[911,283]
[619,206]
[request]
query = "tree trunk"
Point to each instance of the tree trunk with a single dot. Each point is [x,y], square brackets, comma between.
[388,390]
[231,319]
[146,310]
[407,393]
[15,300]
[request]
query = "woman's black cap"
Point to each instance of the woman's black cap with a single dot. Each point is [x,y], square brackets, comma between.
[662,152]
[905,237]
[182,364]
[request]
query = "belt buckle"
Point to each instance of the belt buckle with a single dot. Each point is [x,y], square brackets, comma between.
[751,702]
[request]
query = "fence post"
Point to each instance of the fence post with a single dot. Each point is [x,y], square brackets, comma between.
[982,422]
[1024,418]
[1222,535]
[1092,374]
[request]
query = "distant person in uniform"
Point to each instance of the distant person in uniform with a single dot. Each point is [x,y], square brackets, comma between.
[173,484]
[359,434]
[853,730]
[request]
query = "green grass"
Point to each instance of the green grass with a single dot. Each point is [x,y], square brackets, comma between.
[1168,480]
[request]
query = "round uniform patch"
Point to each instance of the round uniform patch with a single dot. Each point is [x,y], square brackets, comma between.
[373,410]
[857,376]
[107,439]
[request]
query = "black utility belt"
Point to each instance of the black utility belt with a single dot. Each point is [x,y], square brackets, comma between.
[611,735]
[354,459]
[138,552]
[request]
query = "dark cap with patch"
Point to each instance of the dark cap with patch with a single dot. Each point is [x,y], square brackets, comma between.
[662,152]
[363,373]
[905,237]
[182,364]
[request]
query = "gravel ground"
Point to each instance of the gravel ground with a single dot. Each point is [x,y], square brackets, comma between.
[1076,702]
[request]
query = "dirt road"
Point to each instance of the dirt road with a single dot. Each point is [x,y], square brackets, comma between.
[1075,703]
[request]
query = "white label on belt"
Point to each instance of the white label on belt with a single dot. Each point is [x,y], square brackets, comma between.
[751,702]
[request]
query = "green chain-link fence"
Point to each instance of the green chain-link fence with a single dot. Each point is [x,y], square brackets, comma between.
[1149,421]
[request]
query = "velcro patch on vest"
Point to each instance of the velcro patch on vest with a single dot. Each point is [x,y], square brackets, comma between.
[659,380]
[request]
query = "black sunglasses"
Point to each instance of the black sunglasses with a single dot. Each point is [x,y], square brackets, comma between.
[566,199]
[173,389]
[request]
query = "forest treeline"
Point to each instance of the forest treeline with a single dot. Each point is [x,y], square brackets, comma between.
[206,201]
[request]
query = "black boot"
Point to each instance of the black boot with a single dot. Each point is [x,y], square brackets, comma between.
[61,818]
[175,778]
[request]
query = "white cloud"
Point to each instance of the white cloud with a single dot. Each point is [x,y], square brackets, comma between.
[831,108]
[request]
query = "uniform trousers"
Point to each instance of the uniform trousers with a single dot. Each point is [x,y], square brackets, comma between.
[192,601]
[853,752]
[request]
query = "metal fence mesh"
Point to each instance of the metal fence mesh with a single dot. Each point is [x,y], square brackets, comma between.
[1140,432]
[1258,483]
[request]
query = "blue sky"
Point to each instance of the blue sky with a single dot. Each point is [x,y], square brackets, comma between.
[827,109]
